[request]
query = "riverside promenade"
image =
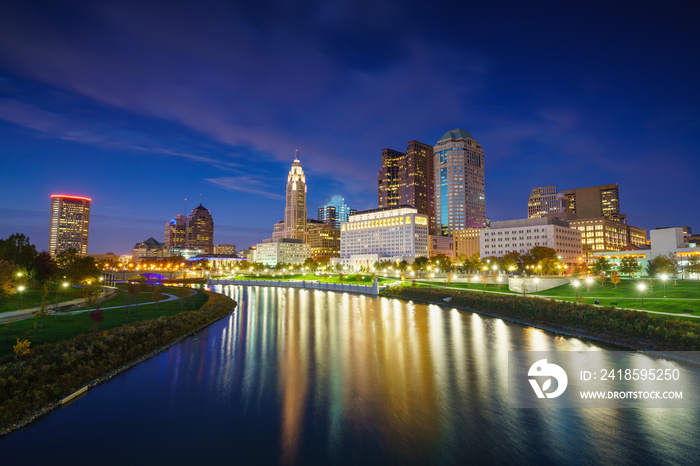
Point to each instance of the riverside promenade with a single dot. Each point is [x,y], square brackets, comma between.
[370,290]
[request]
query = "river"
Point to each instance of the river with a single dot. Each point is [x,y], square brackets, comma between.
[312,377]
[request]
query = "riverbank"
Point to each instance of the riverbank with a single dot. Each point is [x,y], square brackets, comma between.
[33,385]
[631,329]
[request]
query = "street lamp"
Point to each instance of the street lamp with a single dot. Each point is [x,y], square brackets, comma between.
[536,280]
[664,277]
[589,282]
[641,287]
[21,289]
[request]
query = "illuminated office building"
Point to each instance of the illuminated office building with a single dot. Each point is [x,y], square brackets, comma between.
[334,211]
[200,230]
[460,201]
[323,239]
[522,235]
[176,232]
[295,208]
[543,201]
[388,234]
[602,234]
[466,242]
[594,202]
[69,223]
[407,179]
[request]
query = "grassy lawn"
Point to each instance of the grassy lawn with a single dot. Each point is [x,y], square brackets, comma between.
[64,326]
[679,297]
[31,298]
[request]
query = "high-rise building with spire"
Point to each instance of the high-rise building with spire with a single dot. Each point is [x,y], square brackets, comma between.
[459,183]
[200,230]
[295,208]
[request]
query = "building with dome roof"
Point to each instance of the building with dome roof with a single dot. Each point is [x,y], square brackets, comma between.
[460,196]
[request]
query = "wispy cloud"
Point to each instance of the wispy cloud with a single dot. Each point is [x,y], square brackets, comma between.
[245,184]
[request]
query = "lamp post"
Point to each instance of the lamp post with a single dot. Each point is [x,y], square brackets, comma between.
[21,289]
[576,284]
[589,282]
[664,277]
[641,287]
[536,280]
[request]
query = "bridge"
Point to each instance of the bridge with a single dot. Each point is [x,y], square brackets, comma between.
[111,276]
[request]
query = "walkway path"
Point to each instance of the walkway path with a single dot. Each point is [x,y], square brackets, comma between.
[13,316]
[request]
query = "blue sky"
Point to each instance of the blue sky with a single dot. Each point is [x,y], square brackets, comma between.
[140,105]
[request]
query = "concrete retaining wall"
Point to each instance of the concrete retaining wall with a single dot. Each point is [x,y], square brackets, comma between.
[535,284]
[372,290]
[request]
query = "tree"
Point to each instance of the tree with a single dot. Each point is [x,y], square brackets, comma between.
[693,266]
[157,294]
[615,278]
[96,317]
[539,253]
[672,266]
[549,266]
[602,266]
[628,266]
[21,348]
[8,272]
[17,248]
[657,265]
[512,261]
[338,267]
[77,268]
[134,289]
[602,278]
[182,298]
[421,263]
[45,266]
[485,279]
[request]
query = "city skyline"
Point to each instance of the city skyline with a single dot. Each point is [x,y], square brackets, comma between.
[589,100]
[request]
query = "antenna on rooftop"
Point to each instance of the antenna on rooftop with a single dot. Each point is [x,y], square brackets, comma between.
[200,199]
[185,206]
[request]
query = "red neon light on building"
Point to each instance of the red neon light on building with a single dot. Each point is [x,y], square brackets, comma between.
[71,197]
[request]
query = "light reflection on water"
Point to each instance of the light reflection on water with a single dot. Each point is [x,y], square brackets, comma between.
[300,376]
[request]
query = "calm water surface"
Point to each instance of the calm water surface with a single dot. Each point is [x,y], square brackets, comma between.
[312,377]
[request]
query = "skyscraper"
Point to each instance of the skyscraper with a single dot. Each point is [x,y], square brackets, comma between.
[334,211]
[543,201]
[200,230]
[69,223]
[594,202]
[295,209]
[407,179]
[459,183]
[176,232]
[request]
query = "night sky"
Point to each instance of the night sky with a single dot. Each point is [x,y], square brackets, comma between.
[140,105]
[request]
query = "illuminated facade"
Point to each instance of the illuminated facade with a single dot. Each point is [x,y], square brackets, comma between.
[594,202]
[460,200]
[335,211]
[438,244]
[284,251]
[323,239]
[407,179]
[466,242]
[398,233]
[602,234]
[225,249]
[523,235]
[664,242]
[200,230]
[543,201]
[148,250]
[69,223]
[176,232]
[295,208]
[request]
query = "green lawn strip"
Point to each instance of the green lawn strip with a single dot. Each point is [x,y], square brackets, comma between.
[628,288]
[32,298]
[63,326]
[34,383]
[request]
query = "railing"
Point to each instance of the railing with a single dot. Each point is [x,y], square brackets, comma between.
[372,290]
